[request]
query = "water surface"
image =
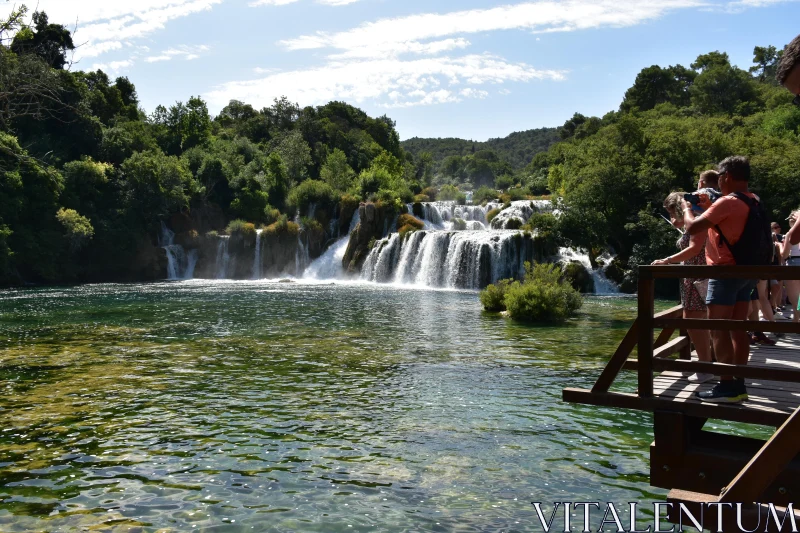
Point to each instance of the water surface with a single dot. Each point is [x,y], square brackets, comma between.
[265,406]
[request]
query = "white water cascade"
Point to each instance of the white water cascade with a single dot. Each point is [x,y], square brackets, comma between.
[602,285]
[180,264]
[329,264]
[455,259]
[257,256]
[223,262]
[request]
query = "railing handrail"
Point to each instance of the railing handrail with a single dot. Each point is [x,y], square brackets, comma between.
[779,272]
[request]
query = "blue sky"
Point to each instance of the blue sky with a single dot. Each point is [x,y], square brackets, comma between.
[472,69]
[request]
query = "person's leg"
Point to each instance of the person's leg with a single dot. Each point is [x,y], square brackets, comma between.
[763,300]
[723,345]
[700,337]
[792,292]
[740,340]
[775,294]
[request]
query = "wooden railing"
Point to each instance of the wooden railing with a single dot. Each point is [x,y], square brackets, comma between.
[652,356]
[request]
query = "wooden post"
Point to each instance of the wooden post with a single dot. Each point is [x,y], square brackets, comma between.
[686,351]
[645,319]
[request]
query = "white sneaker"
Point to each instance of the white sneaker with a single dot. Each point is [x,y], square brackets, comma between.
[700,377]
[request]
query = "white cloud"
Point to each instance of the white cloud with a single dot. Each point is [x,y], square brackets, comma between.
[504,91]
[103,25]
[182,52]
[390,49]
[258,3]
[113,66]
[422,81]
[336,2]
[393,34]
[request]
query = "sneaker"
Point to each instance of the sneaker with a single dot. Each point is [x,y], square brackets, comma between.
[728,391]
[760,338]
[700,377]
[740,387]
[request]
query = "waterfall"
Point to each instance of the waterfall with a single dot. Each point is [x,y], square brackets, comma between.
[602,285]
[180,265]
[257,256]
[329,264]
[223,257]
[301,256]
[455,259]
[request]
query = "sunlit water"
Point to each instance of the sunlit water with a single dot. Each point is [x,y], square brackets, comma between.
[266,406]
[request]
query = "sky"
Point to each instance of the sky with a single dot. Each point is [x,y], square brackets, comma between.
[474,69]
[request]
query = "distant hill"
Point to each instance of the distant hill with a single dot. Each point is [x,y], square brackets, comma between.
[518,148]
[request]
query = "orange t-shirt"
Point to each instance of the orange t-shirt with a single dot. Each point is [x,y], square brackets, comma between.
[730,214]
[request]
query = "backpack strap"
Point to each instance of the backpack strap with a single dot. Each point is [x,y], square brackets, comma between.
[751,203]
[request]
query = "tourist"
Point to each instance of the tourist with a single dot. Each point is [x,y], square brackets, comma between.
[692,252]
[788,72]
[724,222]
[791,254]
[709,179]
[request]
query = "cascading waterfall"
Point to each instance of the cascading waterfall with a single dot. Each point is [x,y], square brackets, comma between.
[454,259]
[329,264]
[223,257]
[180,264]
[257,256]
[602,285]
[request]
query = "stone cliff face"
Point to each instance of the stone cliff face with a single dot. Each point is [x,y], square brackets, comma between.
[375,219]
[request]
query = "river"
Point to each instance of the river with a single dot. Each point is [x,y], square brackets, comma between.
[268,406]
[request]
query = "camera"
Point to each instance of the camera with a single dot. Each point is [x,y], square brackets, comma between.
[778,237]
[694,199]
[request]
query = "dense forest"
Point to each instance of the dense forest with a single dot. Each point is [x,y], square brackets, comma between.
[516,149]
[88,177]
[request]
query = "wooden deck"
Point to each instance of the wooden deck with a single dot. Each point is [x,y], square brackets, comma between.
[770,402]
[699,465]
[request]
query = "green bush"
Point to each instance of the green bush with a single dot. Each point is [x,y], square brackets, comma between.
[79,229]
[240,227]
[543,296]
[513,223]
[461,198]
[312,192]
[493,297]
[282,226]
[409,220]
[447,193]
[484,194]
[430,192]
[517,194]
[271,215]
[459,224]
[492,213]
[422,198]
[504,182]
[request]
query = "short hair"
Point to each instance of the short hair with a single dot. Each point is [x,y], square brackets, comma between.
[711,177]
[775,224]
[789,60]
[738,166]
[674,202]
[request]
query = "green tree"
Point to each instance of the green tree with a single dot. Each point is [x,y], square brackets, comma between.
[766,60]
[51,42]
[336,172]
[295,154]
[78,228]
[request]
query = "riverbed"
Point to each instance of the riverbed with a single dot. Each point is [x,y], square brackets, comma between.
[282,406]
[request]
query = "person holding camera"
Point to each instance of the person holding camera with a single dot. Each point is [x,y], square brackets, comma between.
[692,252]
[725,222]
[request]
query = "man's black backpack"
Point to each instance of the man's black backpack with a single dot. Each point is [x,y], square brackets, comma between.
[755,246]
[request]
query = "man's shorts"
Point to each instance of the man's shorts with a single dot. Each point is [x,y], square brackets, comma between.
[729,291]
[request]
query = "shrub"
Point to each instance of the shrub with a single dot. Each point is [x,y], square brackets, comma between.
[213,234]
[504,182]
[430,192]
[78,228]
[311,225]
[270,215]
[578,276]
[312,192]
[282,226]
[517,194]
[461,198]
[241,228]
[422,198]
[448,192]
[513,223]
[484,194]
[459,224]
[409,220]
[543,296]
[493,297]
[408,228]
[371,243]
[492,213]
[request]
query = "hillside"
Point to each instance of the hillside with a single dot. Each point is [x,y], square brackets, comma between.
[518,148]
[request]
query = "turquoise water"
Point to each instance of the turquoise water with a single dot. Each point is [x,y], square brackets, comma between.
[265,406]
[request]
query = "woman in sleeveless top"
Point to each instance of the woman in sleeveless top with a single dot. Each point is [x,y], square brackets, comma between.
[791,252]
[692,252]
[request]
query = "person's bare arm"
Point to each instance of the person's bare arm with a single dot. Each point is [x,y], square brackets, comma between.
[696,243]
[793,235]
[694,225]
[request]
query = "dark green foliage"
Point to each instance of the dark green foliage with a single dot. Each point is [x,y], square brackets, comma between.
[241,228]
[50,42]
[484,194]
[318,193]
[543,296]
[578,276]
[409,220]
[493,296]
[448,192]
[459,224]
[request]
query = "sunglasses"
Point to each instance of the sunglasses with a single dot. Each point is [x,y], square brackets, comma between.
[796,100]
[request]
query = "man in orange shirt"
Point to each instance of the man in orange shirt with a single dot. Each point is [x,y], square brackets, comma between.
[727,298]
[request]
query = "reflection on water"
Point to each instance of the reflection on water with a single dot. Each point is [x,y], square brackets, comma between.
[265,406]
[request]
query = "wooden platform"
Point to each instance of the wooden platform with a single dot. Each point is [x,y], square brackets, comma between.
[770,402]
